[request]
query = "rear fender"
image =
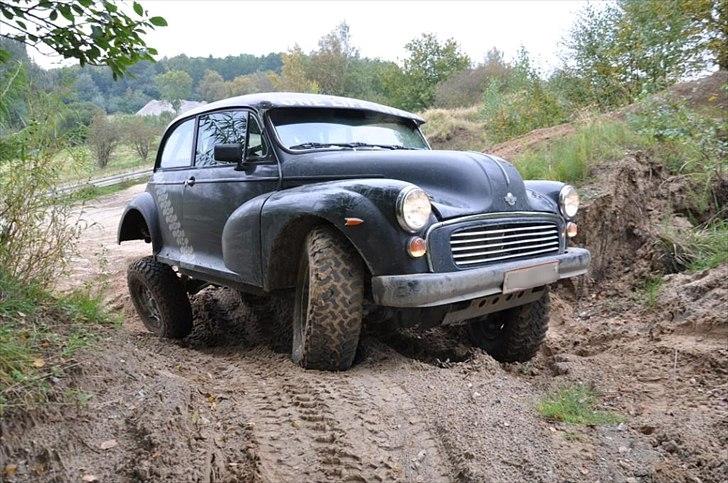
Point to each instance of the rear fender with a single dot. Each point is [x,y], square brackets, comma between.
[140,222]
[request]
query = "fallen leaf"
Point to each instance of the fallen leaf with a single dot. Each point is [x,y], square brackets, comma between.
[108,444]
[89,478]
[38,362]
[10,470]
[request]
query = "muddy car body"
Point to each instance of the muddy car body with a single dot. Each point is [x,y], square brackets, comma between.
[345,202]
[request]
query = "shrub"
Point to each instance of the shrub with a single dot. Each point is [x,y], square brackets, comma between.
[140,133]
[103,137]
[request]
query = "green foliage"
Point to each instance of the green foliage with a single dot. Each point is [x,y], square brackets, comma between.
[466,88]
[293,76]
[571,157]
[622,50]
[701,248]
[458,129]
[520,103]
[575,405]
[428,63]
[174,86]
[103,137]
[39,335]
[93,32]
[141,133]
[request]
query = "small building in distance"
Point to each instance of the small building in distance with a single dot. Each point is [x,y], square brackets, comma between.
[155,107]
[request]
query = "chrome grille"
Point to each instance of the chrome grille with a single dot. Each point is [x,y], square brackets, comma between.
[494,242]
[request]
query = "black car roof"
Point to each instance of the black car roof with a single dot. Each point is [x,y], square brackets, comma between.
[269,100]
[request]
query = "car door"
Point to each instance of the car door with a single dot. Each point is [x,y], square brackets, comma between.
[214,189]
[166,185]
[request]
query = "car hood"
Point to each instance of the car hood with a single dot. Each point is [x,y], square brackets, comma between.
[458,183]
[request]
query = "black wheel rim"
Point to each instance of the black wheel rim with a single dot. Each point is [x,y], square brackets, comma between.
[301,307]
[148,307]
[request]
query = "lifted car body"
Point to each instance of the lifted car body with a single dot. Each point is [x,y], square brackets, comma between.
[238,213]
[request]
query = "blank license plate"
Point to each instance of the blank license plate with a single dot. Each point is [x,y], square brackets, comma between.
[529,277]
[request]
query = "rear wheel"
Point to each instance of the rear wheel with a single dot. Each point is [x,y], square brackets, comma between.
[328,303]
[160,298]
[513,335]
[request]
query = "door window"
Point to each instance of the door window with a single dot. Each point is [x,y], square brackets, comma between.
[219,128]
[178,148]
[257,147]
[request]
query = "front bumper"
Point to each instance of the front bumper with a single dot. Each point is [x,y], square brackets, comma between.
[431,289]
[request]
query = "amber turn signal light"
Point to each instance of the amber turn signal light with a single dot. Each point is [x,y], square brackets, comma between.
[571,229]
[416,247]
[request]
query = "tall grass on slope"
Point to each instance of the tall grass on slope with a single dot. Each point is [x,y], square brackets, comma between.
[570,159]
[39,336]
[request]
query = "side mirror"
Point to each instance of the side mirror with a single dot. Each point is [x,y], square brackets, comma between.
[229,153]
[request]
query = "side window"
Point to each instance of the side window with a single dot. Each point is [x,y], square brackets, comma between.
[257,147]
[178,147]
[219,128]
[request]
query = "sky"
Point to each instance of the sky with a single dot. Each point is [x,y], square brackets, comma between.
[378,28]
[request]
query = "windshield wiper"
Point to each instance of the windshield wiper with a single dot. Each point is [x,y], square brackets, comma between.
[352,145]
[313,145]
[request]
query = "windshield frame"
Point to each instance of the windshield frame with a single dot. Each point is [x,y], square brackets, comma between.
[279,143]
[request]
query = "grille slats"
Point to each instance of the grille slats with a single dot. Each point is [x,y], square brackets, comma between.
[490,243]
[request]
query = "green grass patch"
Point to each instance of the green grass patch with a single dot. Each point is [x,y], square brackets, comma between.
[575,405]
[40,333]
[90,192]
[571,158]
[651,291]
[77,163]
[709,246]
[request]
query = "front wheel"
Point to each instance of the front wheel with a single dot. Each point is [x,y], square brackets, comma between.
[327,313]
[513,335]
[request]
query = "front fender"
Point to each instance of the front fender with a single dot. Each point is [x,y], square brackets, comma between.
[288,215]
[140,222]
[544,194]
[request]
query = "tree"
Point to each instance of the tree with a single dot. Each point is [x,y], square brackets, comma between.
[250,83]
[332,65]
[140,133]
[212,87]
[640,46]
[174,86]
[428,63]
[293,73]
[92,31]
[103,137]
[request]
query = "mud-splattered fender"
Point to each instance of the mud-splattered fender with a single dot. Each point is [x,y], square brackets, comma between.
[288,215]
[140,222]
[543,194]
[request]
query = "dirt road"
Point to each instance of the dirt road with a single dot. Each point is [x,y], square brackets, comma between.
[223,406]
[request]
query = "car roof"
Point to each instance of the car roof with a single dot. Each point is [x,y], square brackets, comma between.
[269,100]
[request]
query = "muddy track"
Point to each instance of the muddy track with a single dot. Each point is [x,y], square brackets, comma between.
[223,405]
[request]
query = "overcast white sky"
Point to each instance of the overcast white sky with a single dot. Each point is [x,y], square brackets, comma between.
[378,28]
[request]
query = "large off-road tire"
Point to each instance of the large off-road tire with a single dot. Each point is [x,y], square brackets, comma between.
[327,311]
[513,335]
[160,298]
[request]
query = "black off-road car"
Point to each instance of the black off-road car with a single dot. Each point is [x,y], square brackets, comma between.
[345,202]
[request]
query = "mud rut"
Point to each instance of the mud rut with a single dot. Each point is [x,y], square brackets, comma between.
[222,405]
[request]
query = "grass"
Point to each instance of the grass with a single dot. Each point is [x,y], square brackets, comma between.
[458,129]
[40,333]
[571,158]
[575,405]
[90,192]
[651,291]
[709,246]
[77,163]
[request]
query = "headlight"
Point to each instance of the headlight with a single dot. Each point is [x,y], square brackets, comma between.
[413,208]
[568,201]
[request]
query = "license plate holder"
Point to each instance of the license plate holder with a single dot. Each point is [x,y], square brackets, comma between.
[530,277]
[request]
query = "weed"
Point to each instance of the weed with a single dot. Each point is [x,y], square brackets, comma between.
[575,405]
[651,291]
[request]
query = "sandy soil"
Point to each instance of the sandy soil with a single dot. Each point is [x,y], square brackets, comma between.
[223,406]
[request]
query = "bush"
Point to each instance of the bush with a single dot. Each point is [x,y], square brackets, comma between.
[459,129]
[103,137]
[140,133]
[575,405]
[38,230]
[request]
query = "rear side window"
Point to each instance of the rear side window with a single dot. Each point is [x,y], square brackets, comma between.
[178,148]
[219,128]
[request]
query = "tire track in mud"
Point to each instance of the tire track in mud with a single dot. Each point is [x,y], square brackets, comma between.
[317,426]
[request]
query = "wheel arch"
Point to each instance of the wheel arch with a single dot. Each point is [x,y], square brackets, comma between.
[139,222]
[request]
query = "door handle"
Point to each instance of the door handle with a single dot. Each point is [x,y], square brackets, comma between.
[190,181]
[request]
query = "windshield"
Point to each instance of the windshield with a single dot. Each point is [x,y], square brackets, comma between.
[326,128]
